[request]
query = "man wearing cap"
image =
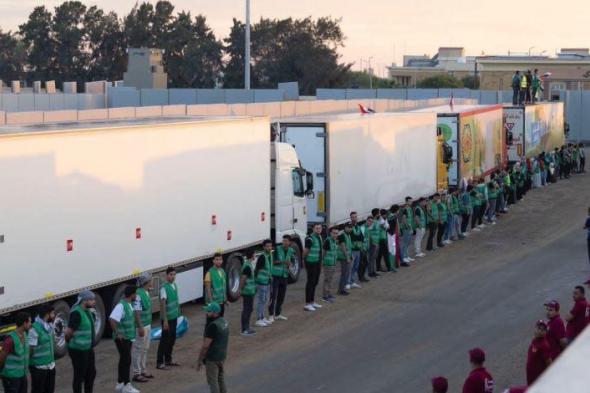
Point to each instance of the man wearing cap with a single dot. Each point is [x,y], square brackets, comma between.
[479,379]
[539,354]
[576,319]
[80,338]
[214,350]
[41,342]
[143,317]
[440,385]
[555,329]
[169,313]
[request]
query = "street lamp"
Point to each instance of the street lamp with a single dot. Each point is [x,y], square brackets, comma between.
[370,74]
[247,49]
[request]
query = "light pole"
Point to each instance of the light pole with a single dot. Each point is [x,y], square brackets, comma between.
[247,48]
[530,49]
[370,74]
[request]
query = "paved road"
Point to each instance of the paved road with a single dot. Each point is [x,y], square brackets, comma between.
[397,332]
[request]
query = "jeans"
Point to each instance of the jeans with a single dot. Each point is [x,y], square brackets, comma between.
[448,228]
[42,381]
[261,298]
[344,275]
[354,269]
[313,277]
[247,307]
[418,240]
[405,246]
[544,177]
[372,266]
[456,229]
[141,345]
[277,295]
[492,210]
[84,370]
[328,280]
[14,385]
[167,341]
[215,376]
[124,349]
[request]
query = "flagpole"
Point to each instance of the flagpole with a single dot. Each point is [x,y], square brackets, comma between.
[247,49]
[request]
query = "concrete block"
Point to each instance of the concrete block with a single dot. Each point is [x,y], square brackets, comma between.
[50,87]
[93,114]
[60,116]
[24,118]
[37,87]
[98,87]
[174,110]
[290,90]
[15,85]
[70,88]
[148,111]
[121,113]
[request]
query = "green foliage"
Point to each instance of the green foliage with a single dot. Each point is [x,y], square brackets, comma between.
[362,80]
[12,57]
[470,82]
[440,82]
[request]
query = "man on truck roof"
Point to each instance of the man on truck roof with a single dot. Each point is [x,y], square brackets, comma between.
[312,257]
[81,340]
[41,343]
[281,264]
[169,313]
[14,357]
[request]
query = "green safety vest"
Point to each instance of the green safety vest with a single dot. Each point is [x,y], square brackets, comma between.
[263,277]
[315,251]
[523,82]
[17,362]
[410,223]
[146,307]
[172,305]
[330,256]
[82,338]
[433,216]
[250,284]
[366,236]
[466,208]
[348,242]
[492,194]
[420,212]
[126,326]
[374,233]
[43,353]
[218,285]
[443,211]
[454,205]
[476,200]
[280,269]
[357,245]
[382,231]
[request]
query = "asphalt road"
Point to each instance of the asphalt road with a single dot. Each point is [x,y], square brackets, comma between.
[400,330]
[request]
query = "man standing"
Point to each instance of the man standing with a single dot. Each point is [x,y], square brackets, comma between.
[262,273]
[169,313]
[329,264]
[587,229]
[433,220]
[312,257]
[420,220]
[523,90]
[443,217]
[555,329]
[247,290]
[14,357]
[216,284]
[280,275]
[143,317]
[440,385]
[214,350]
[479,379]
[344,256]
[380,217]
[537,87]
[515,87]
[539,357]
[122,320]
[576,319]
[80,338]
[357,239]
[408,227]
[41,343]
[373,233]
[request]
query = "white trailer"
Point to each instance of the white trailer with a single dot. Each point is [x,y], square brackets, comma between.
[360,162]
[92,205]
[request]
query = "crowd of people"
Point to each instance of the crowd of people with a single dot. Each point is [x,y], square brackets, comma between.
[343,257]
[527,87]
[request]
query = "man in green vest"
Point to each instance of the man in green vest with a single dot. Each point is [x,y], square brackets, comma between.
[14,356]
[375,234]
[407,226]
[329,264]
[143,317]
[357,238]
[247,291]
[371,244]
[80,337]
[41,343]
[216,284]
[262,272]
[169,313]
[214,350]
[123,325]
[312,257]
[420,224]
[281,264]
[345,259]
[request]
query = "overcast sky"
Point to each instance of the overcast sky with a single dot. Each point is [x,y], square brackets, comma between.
[388,29]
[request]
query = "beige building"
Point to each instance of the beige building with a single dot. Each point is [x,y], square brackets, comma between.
[145,69]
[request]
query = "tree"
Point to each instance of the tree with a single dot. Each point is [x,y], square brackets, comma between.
[12,57]
[470,82]
[440,82]
[357,79]
[37,40]
[68,33]
[139,26]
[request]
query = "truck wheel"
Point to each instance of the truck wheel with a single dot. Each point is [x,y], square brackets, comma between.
[62,316]
[295,269]
[101,318]
[233,271]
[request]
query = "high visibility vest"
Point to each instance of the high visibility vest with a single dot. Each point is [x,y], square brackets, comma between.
[375,233]
[172,305]
[82,338]
[330,255]
[357,245]
[454,204]
[422,221]
[250,285]
[315,251]
[442,205]
[433,216]
[466,206]
[126,326]
[218,285]
[523,82]
[263,276]
[280,269]
[17,362]
[410,224]
[146,307]
[44,350]
[348,243]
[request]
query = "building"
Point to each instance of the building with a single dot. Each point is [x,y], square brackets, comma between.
[145,69]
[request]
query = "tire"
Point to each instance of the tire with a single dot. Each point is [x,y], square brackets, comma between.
[233,271]
[295,269]
[62,316]
[101,318]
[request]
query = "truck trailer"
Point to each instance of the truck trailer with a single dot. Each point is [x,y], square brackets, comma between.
[92,205]
[360,162]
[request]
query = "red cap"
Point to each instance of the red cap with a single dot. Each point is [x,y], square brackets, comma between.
[440,384]
[541,323]
[477,355]
[554,304]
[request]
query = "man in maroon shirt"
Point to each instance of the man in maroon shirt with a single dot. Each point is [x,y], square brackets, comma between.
[555,329]
[539,355]
[440,385]
[479,379]
[576,319]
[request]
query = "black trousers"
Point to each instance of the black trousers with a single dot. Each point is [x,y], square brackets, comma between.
[83,363]
[42,381]
[481,213]
[474,216]
[124,369]
[247,307]
[464,222]
[588,241]
[278,291]
[431,233]
[313,277]
[439,233]
[14,385]
[382,254]
[582,164]
[167,341]
[363,265]
[515,91]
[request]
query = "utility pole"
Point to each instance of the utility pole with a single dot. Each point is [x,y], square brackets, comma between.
[247,47]
[370,74]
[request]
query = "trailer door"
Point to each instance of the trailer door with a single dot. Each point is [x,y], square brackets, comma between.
[310,143]
[449,126]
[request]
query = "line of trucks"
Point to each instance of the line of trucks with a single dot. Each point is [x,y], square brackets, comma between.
[91,205]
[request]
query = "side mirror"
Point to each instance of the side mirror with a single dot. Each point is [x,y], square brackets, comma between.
[308,183]
[310,194]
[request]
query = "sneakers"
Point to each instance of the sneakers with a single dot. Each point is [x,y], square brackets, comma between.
[411,259]
[477,229]
[261,323]
[128,388]
[309,307]
[327,299]
[343,293]
[315,305]
[281,318]
[420,255]
[119,387]
[355,285]
[248,333]
[269,320]
[347,287]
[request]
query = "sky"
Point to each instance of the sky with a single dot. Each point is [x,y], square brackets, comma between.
[385,30]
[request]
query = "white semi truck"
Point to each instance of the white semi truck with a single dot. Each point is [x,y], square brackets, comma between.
[360,162]
[92,205]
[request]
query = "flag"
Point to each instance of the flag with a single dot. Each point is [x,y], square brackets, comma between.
[452,103]
[366,110]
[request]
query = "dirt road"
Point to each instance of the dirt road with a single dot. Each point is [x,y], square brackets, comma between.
[397,332]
